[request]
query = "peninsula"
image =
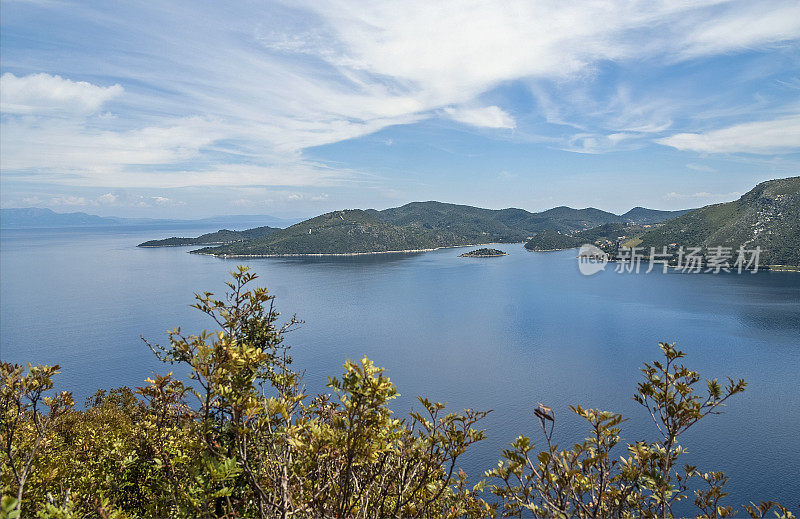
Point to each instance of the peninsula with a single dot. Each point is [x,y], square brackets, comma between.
[766,217]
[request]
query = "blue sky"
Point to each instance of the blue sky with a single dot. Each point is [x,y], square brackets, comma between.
[191,109]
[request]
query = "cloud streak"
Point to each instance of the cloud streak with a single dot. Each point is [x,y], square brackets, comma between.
[487,117]
[237,94]
[759,137]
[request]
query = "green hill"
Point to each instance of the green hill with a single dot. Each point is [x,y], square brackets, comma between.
[462,223]
[503,224]
[768,216]
[338,232]
[606,236]
[552,240]
[213,238]
[642,215]
[414,226]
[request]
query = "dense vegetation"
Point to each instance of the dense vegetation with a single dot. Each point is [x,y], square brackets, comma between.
[352,231]
[483,253]
[768,216]
[607,237]
[213,238]
[240,438]
[421,226]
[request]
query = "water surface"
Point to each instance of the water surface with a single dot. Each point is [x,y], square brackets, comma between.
[490,333]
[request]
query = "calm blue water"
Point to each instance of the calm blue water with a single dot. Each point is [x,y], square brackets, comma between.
[494,333]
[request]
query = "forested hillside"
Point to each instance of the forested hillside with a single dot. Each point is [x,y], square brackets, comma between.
[420,226]
[768,216]
[213,238]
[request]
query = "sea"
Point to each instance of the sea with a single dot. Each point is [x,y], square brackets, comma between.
[501,334]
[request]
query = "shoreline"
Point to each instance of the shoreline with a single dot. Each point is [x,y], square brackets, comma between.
[323,254]
[184,245]
[550,250]
[771,268]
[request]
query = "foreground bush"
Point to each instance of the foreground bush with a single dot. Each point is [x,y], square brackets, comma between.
[240,438]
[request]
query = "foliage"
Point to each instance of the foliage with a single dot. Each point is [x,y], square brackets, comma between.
[221,236]
[606,236]
[241,437]
[484,252]
[768,216]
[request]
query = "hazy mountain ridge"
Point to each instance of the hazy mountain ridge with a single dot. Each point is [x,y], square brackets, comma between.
[41,218]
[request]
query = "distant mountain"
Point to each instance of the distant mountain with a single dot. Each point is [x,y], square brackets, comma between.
[569,219]
[213,238]
[37,217]
[34,217]
[768,216]
[415,226]
[506,224]
[641,215]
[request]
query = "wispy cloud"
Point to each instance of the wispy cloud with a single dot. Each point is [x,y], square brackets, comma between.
[486,117]
[760,137]
[236,94]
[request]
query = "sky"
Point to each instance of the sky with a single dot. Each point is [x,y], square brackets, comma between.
[201,108]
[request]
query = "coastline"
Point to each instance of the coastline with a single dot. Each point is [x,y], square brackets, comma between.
[184,245]
[550,250]
[323,254]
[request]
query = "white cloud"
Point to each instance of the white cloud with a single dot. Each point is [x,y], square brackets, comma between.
[761,137]
[742,26]
[69,201]
[593,143]
[259,83]
[46,94]
[69,145]
[486,117]
[32,200]
[108,198]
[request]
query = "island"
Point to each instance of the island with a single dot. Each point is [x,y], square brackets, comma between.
[767,217]
[417,227]
[483,253]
